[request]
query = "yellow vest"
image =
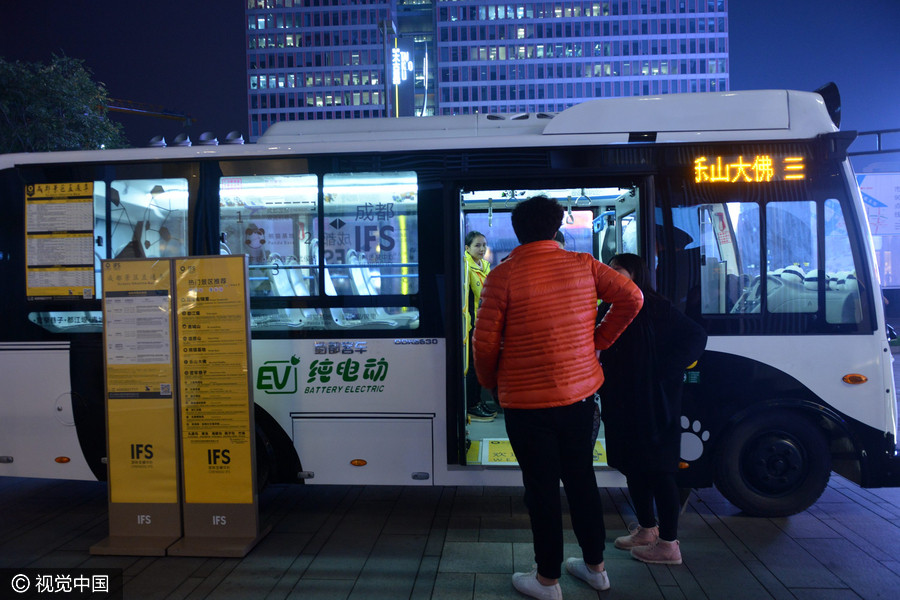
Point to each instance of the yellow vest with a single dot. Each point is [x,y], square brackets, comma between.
[473,280]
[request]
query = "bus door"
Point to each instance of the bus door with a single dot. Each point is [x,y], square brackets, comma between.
[601,221]
[617,226]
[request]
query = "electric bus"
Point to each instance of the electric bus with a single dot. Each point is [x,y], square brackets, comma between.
[743,203]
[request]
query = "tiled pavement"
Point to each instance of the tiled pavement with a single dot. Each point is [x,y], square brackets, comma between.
[335,542]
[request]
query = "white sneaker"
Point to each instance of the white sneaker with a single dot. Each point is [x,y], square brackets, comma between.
[578,568]
[528,584]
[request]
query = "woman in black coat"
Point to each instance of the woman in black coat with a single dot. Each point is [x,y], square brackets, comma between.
[641,412]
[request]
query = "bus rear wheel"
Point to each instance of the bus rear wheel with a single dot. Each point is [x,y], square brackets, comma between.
[773,465]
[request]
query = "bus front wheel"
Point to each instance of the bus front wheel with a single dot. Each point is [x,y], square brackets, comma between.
[773,465]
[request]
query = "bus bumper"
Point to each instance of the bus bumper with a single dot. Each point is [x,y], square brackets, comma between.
[888,475]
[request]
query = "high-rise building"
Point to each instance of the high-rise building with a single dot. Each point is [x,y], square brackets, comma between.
[340,59]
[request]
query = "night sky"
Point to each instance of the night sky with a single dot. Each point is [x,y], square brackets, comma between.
[188,56]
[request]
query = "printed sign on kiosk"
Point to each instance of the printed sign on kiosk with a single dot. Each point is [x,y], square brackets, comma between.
[182,474]
[216,411]
[144,510]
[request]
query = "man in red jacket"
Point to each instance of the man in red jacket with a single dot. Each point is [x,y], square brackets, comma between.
[536,344]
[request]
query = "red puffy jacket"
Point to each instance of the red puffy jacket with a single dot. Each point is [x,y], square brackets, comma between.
[535,337]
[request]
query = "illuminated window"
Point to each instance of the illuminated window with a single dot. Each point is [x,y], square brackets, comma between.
[148,218]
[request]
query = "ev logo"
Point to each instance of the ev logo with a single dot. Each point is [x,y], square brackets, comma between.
[278,376]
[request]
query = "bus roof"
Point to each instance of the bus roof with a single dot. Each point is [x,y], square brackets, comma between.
[758,114]
[674,118]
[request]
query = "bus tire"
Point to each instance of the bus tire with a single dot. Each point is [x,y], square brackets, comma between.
[265,459]
[773,464]
[276,458]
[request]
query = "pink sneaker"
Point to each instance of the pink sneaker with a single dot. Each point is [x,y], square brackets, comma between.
[639,536]
[660,552]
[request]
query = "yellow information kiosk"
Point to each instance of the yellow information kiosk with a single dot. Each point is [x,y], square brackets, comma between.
[180,431]
[216,415]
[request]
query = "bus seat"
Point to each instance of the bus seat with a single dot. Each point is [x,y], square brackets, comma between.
[842,306]
[338,316]
[842,301]
[312,317]
[374,314]
[787,294]
[296,277]
[791,273]
[406,319]
[281,285]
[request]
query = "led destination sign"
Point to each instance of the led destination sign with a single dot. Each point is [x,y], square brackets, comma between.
[753,169]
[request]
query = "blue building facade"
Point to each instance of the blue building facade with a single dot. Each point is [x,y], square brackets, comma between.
[338,59]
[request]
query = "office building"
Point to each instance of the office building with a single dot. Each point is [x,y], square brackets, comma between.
[340,59]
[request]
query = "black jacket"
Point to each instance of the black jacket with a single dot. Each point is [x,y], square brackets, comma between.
[640,399]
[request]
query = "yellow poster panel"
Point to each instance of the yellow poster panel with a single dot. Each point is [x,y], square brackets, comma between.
[59,240]
[137,325]
[142,451]
[136,275]
[140,404]
[213,359]
[139,381]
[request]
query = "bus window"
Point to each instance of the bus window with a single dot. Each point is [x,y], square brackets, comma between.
[370,246]
[842,302]
[270,219]
[148,218]
[791,257]
[72,321]
[371,228]
[99,234]
[729,257]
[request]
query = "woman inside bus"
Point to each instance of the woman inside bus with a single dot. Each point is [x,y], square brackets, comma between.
[641,407]
[476,271]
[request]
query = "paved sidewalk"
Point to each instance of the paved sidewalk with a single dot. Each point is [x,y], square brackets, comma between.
[367,543]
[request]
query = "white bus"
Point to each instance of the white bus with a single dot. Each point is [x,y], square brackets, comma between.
[743,202]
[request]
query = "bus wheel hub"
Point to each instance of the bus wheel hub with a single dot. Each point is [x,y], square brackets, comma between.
[775,464]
